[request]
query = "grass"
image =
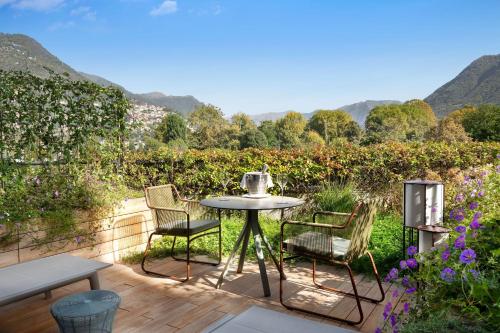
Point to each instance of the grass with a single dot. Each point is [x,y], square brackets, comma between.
[385,243]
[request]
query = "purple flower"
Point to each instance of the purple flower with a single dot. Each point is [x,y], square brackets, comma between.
[473,205]
[474,225]
[480,194]
[403,265]
[393,274]
[378,330]
[393,320]
[467,256]
[477,215]
[412,250]
[460,242]
[448,274]
[395,293]
[411,290]
[457,214]
[466,179]
[433,209]
[474,273]
[387,310]
[406,307]
[460,197]
[412,263]
[405,281]
[479,182]
[498,168]
[445,255]
[461,229]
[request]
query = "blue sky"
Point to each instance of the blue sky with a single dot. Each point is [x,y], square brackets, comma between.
[265,56]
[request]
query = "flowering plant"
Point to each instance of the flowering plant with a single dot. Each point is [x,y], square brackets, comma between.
[457,282]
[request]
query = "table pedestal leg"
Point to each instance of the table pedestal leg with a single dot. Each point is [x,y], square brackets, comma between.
[233,253]
[271,252]
[253,220]
[244,248]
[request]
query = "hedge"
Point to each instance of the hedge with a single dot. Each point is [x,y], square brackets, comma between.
[376,168]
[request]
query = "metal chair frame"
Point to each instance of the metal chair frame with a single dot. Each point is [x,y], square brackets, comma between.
[189,236]
[344,263]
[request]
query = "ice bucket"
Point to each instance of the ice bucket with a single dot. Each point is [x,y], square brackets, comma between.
[256,183]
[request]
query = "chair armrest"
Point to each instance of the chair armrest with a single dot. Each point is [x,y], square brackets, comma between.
[306,224]
[350,216]
[170,209]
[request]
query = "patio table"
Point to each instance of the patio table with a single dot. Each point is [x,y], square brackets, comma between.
[252,207]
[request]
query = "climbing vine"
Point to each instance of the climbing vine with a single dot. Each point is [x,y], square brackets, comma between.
[61,145]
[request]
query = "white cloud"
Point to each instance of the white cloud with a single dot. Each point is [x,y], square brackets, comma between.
[166,7]
[85,12]
[38,5]
[61,25]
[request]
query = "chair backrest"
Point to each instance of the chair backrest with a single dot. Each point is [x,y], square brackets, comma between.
[362,230]
[162,197]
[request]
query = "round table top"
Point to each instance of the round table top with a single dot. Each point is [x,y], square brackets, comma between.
[241,203]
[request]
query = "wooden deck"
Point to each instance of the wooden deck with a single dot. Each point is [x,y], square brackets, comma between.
[152,304]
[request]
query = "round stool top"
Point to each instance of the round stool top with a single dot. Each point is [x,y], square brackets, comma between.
[433,228]
[86,304]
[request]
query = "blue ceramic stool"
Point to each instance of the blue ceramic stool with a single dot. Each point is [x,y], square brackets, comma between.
[90,312]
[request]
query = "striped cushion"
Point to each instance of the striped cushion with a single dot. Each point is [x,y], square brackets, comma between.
[317,244]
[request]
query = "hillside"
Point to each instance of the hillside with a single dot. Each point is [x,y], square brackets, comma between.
[359,111]
[21,52]
[478,83]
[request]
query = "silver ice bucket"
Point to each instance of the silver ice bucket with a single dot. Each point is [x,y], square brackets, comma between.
[256,182]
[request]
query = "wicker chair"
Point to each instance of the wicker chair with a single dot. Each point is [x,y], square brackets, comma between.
[177,217]
[319,242]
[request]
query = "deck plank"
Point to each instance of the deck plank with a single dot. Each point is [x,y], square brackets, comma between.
[152,304]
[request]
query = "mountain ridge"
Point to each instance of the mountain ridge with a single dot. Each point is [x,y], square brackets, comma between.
[478,83]
[23,53]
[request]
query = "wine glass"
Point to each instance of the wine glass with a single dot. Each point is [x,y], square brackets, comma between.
[282,180]
[225,181]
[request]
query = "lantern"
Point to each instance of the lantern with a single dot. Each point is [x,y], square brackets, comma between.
[423,212]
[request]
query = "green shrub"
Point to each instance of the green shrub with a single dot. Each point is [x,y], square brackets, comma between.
[336,198]
[377,168]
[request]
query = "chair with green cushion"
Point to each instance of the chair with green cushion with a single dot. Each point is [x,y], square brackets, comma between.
[333,243]
[177,217]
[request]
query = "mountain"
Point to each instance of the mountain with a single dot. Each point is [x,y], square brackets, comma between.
[181,104]
[478,83]
[258,118]
[359,111]
[21,52]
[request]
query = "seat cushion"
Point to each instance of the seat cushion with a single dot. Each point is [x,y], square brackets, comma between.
[317,244]
[195,227]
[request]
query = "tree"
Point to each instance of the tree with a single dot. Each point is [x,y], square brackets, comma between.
[459,115]
[289,129]
[269,129]
[484,124]
[172,127]
[209,129]
[242,122]
[331,124]
[313,139]
[253,138]
[421,119]
[450,130]
[386,123]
